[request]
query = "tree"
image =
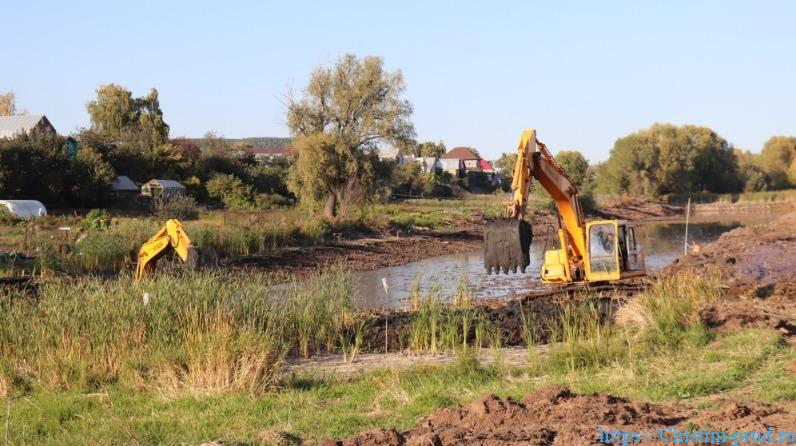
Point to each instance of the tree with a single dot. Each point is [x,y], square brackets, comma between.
[116,114]
[776,159]
[92,176]
[35,166]
[575,165]
[669,159]
[231,191]
[345,111]
[8,104]
[430,149]
[506,164]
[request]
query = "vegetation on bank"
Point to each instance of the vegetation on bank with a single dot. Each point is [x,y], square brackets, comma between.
[183,369]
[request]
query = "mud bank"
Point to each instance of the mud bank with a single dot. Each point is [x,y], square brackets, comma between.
[757,264]
[554,416]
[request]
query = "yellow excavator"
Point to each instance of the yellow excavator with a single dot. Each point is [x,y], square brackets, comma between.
[597,251]
[172,236]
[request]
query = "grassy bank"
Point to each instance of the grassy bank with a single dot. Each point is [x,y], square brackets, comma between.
[742,197]
[111,247]
[170,378]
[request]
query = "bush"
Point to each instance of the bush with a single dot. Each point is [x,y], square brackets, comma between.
[479,182]
[231,191]
[7,218]
[181,208]
[97,219]
[271,201]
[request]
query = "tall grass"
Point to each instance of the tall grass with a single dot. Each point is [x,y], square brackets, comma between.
[668,312]
[440,325]
[197,332]
[111,249]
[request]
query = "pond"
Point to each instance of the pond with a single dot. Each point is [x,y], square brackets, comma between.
[662,244]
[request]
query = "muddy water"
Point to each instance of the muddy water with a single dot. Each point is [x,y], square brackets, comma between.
[446,275]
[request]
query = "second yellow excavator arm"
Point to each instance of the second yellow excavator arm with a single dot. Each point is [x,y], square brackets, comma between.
[171,235]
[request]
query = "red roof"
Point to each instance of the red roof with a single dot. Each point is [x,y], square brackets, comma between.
[485,166]
[461,153]
[271,151]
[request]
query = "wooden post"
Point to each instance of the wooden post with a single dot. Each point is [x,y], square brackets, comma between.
[386,312]
[687,215]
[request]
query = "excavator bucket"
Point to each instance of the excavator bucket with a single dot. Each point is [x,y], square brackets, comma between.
[507,245]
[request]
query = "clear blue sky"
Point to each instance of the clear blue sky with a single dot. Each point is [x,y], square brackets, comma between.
[582,73]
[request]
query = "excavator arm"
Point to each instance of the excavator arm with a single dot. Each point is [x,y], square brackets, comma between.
[507,241]
[170,236]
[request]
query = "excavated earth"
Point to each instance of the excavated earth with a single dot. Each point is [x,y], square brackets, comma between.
[755,262]
[554,416]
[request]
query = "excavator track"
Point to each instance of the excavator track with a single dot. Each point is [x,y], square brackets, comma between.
[578,291]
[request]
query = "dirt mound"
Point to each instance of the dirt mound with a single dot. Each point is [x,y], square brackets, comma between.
[554,416]
[752,257]
[757,264]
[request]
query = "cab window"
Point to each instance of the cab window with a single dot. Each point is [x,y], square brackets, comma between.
[602,248]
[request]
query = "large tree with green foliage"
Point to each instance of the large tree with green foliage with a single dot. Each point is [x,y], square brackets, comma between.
[115,113]
[778,160]
[345,111]
[575,165]
[667,159]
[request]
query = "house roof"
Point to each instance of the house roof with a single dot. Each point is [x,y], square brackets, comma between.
[272,151]
[123,183]
[11,126]
[462,153]
[485,166]
[167,184]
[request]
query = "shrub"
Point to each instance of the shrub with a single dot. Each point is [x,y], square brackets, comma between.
[97,219]
[7,218]
[231,191]
[181,208]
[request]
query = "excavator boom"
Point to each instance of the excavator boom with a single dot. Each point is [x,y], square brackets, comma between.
[170,236]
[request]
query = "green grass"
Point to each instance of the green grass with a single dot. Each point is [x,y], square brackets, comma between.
[311,409]
[89,364]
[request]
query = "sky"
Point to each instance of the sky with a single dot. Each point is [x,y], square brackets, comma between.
[477,73]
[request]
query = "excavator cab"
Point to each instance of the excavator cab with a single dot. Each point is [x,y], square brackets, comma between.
[613,252]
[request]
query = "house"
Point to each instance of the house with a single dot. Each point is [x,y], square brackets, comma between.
[451,165]
[27,209]
[271,153]
[124,186]
[13,126]
[486,166]
[390,153]
[468,160]
[428,164]
[166,189]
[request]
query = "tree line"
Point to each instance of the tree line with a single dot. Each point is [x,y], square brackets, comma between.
[337,123]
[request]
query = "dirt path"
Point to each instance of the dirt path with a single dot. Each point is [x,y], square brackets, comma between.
[335,366]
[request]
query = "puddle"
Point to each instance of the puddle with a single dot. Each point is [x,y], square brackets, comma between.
[662,244]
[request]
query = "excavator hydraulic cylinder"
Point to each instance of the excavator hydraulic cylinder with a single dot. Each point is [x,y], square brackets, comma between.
[507,245]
